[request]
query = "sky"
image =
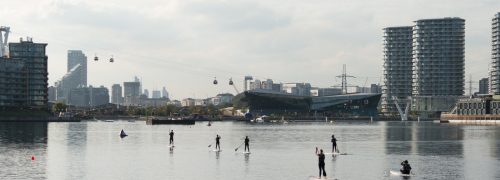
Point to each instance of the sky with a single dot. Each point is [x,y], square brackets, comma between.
[183,44]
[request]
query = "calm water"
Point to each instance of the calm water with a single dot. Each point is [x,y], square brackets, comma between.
[93,150]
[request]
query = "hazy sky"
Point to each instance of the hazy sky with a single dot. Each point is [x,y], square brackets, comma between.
[184,44]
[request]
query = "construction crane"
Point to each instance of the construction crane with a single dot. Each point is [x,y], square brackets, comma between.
[4,38]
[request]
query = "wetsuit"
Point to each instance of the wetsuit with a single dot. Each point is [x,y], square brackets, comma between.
[334,144]
[171,137]
[247,144]
[406,168]
[217,143]
[321,164]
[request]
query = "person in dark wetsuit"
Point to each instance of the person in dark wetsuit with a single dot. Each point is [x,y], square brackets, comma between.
[334,144]
[406,168]
[247,144]
[217,142]
[321,162]
[171,137]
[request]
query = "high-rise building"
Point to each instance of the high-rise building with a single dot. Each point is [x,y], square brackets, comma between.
[156,94]
[131,93]
[23,76]
[397,51]
[76,57]
[146,93]
[131,89]
[165,93]
[495,55]
[483,86]
[438,57]
[69,81]
[88,96]
[116,94]
[52,93]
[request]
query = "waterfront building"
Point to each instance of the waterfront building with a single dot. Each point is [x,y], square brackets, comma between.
[397,51]
[76,57]
[23,75]
[116,94]
[495,55]
[176,103]
[438,57]
[156,94]
[483,86]
[363,89]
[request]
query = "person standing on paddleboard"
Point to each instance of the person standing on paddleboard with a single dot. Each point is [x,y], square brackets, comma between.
[247,144]
[406,168]
[321,162]
[334,144]
[217,142]
[171,137]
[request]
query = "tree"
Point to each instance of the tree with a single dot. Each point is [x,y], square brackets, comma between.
[59,107]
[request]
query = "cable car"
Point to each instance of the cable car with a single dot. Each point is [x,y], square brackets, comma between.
[215,80]
[96,58]
[231,81]
[111,59]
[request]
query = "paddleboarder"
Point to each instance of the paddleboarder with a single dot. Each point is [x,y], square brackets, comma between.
[171,137]
[123,134]
[217,142]
[247,144]
[321,162]
[334,144]
[406,168]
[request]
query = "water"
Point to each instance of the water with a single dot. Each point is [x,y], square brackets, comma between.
[94,150]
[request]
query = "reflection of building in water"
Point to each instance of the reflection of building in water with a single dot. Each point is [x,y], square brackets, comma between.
[25,133]
[66,151]
[421,138]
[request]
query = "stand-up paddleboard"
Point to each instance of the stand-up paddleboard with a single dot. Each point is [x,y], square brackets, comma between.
[171,146]
[216,150]
[336,153]
[243,152]
[398,173]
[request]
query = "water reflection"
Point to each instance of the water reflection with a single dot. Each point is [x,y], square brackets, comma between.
[19,142]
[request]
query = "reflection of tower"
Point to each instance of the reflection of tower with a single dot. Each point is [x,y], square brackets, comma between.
[344,77]
[246,83]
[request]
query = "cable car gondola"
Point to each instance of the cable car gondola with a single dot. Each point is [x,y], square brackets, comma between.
[96,58]
[111,59]
[231,81]
[215,80]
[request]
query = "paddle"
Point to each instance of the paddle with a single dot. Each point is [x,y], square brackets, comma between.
[238,147]
[210,145]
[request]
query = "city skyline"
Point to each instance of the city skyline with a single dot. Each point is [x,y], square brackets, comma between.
[185,44]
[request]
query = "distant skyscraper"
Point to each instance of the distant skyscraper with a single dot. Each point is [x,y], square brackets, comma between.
[495,56]
[438,57]
[52,93]
[483,86]
[146,93]
[76,57]
[397,66]
[156,94]
[165,93]
[116,94]
[88,96]
[23,75]
[131,89]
